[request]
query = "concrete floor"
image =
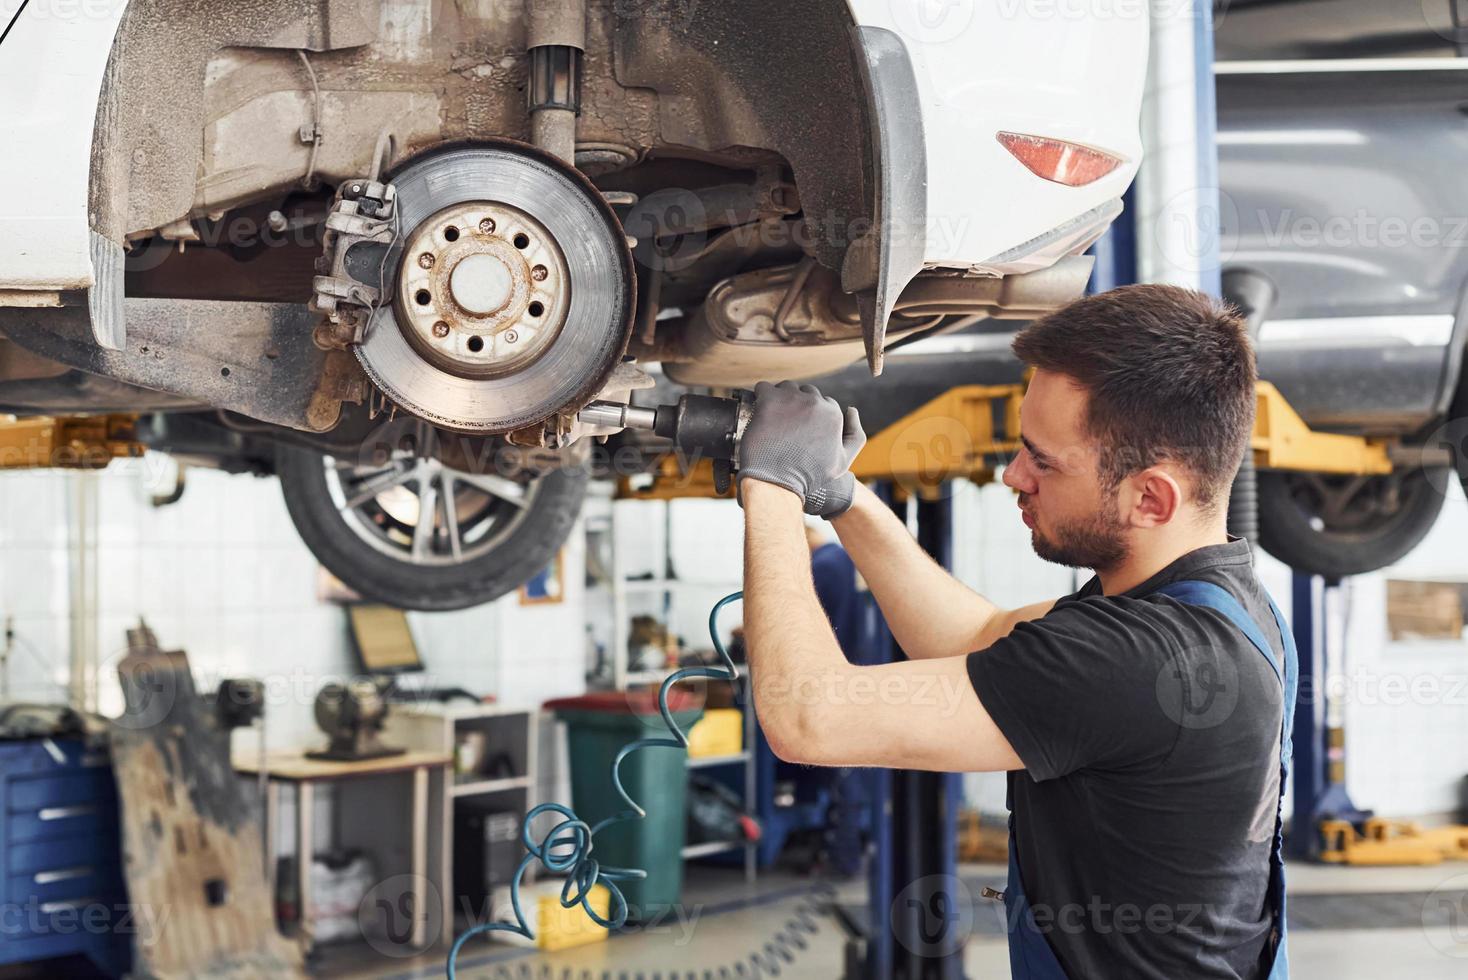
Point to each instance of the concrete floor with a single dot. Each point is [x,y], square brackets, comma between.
[728,920]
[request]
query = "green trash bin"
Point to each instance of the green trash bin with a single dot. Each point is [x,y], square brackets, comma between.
[598,726]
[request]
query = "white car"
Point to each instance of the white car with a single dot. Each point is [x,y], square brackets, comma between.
[388,249]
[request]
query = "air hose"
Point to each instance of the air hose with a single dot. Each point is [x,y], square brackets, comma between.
[568,846]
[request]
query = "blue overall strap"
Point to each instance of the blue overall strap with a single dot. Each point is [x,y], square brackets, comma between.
[1220,599]
[1030,955]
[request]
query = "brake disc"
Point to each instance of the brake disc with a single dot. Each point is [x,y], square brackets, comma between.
[512,292]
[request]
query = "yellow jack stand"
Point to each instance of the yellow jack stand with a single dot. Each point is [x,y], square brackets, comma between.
[1391,842]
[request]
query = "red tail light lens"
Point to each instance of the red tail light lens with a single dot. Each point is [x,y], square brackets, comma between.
[1056,160]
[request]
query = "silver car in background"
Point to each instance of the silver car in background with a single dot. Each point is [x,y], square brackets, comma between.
[1342,139]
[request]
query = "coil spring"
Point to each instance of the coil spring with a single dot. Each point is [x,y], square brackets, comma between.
[568,846]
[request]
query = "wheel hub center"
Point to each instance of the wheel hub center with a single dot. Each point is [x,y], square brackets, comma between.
[484,289]
[481,284]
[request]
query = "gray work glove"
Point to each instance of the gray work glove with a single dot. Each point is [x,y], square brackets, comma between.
[800,440]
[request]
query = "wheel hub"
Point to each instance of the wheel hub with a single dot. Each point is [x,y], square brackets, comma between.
[484,289]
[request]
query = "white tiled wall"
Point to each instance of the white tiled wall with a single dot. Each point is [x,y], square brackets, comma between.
[1406,709]
[34,582]
[223,575]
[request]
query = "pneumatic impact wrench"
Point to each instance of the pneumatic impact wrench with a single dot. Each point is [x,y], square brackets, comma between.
[699,426]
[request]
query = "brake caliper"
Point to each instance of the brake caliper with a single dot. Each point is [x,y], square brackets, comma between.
[360,230]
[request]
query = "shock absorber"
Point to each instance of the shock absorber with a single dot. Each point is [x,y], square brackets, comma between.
[556,37]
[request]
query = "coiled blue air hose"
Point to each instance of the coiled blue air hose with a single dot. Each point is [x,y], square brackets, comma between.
[568,846]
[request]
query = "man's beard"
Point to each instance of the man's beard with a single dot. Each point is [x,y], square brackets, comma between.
[1097,542]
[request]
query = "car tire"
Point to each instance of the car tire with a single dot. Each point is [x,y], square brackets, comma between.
[1452,435]
[525,547]
[1397,512]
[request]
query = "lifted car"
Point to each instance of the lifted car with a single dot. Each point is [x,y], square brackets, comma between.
[389,250]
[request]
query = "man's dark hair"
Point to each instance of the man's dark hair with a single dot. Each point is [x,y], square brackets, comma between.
[1169,373]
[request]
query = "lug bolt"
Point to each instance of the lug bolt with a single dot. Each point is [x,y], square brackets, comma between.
[487,226]
[440,329]
[511,336]
[539,273]
[425,261]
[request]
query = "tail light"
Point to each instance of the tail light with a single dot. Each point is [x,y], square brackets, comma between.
[1056,160]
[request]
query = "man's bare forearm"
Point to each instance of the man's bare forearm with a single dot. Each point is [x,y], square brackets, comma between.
[792,652]
[930,613]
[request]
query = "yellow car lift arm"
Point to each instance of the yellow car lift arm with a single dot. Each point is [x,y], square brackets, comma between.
[963,434]
[967,432]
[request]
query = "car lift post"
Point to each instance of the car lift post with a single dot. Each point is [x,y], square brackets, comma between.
[1320,767]
[914,895]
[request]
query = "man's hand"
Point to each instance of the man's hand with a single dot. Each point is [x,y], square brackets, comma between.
[802,441]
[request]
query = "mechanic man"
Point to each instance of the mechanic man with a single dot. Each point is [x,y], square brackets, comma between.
[1143,720]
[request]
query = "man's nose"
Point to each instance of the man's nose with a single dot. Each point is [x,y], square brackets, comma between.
[1017,475]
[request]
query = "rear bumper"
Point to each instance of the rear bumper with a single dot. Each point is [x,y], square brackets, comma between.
[941,85]
[1069,71]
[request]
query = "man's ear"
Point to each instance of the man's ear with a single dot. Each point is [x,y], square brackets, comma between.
[1156,498]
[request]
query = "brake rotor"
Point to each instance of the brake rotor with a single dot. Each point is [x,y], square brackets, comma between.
[513,291]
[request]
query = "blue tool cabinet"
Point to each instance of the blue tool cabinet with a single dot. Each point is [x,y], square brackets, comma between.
[61,850]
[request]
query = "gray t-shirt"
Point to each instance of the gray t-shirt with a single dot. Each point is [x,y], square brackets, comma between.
[1150,731]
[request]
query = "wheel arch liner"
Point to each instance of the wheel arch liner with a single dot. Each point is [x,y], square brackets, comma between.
[880,265]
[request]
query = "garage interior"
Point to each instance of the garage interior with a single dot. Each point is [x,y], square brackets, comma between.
[345,785]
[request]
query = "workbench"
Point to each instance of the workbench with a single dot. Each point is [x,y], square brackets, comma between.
[430,782]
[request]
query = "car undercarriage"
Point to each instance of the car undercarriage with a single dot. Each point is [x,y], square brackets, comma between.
[316,221]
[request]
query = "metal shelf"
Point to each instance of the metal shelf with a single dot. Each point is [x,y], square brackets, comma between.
[665,592]
[489,786]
